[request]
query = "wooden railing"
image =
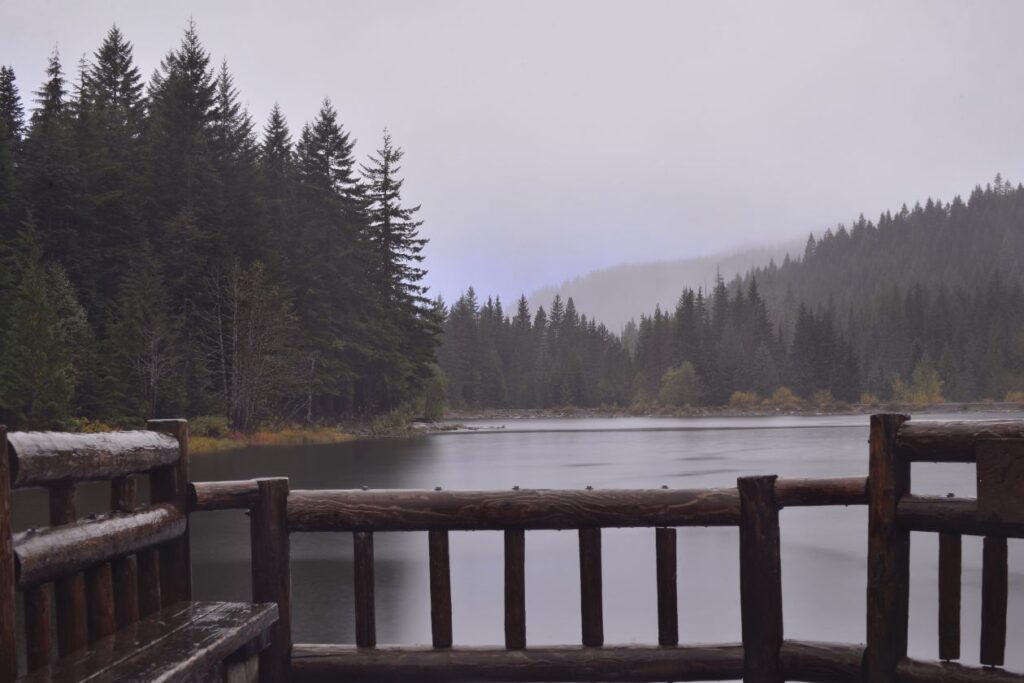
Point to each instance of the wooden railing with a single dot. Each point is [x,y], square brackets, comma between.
[752,506]
[106,571]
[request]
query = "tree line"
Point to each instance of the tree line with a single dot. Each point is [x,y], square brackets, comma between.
[703,353]
[162,255]
[923,306]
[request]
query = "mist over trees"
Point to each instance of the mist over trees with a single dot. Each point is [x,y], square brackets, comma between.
[161,253]
[923,306]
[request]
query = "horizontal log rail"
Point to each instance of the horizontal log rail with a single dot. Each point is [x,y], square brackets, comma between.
[821,492]
[223,495]
[801,661]
[950,515]
[409,510]
[822,662]
[55,552]
[243,494]
[917,671]
[316,663]
[40,458]
[404,510]
[934,441]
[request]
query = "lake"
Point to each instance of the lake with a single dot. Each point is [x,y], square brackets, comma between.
[823,549]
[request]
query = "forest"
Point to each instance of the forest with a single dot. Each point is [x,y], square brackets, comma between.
[162,254]
[923,306]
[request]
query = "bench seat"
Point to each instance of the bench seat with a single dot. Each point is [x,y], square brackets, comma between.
[187,641]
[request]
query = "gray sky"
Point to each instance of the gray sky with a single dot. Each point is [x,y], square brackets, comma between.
[545,139]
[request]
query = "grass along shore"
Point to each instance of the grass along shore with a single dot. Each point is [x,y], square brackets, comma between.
[290,436]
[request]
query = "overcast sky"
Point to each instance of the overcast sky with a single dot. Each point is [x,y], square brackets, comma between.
[546,139]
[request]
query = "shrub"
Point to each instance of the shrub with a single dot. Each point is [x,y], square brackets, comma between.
[680,386]
[434,391]
[84,424]
[1015,396]
[743,399]
[869,399]
[214,426]
[390,424]
[822,399]
[784,399]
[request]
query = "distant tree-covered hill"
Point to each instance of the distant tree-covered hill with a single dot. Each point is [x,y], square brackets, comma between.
[940,279]
[616,295]
[924,305]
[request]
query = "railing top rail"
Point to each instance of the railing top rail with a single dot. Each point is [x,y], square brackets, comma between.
[409,510]
[419,510]
[951,441]
[40,458]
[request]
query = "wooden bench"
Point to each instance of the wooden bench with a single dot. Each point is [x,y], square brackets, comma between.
[118,585]
[218,640]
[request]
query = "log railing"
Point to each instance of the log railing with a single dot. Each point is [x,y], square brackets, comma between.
[109,570]
[753,506]
[91,576]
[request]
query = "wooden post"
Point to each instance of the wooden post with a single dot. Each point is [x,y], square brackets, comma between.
[124,498]
[591,605]
[440,590]
[950,558]
[8,646]
[170,485]
[149,582]
[271,575]
[72,633]
[668,612]
[37,627]
[760,580]
[888,552]
[993,601]
[515,589]
[99,586]
[366,626]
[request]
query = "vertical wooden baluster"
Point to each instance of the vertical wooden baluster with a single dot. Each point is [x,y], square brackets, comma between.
[440,590]
[949,596]
[668,614]
[38,640]
[72,631]
[271,574]
[591,605]
[888,552]
[993,601]
[99,588]
[170,485]
[8,643]
[149,582]
[366,628]
[760,580]
[515,589]
[124,498]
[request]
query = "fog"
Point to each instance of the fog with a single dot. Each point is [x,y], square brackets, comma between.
[545,140]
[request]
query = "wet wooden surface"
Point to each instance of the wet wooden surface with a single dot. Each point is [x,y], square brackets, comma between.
[179,643]
[39,458]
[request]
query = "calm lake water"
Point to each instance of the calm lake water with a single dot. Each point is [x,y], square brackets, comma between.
[823,549]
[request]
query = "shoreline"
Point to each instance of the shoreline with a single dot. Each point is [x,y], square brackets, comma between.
[452,422]
[570,412]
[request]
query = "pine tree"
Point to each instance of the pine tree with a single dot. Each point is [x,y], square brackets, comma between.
[11,123]
[109,141]
[37,375]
